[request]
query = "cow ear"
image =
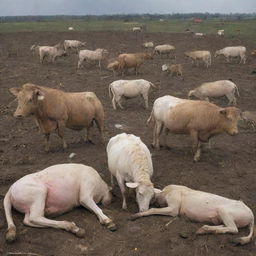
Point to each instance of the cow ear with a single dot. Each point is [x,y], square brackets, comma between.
[223,111]
[39,94]
[15,91]
[132,184]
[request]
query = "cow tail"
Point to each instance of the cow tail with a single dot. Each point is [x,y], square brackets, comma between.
[154,86]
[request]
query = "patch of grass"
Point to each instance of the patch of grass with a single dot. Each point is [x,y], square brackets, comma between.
[246,27]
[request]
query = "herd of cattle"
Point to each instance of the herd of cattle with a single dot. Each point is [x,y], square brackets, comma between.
[59,188]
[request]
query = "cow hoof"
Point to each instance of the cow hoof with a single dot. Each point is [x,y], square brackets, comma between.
[133,217]
[80,233]
[200,231]
[10,236]
[112,226]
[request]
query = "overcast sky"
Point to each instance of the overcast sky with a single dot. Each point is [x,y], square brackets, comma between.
[83,7]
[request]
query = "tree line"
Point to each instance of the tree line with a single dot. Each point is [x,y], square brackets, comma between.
[132,17]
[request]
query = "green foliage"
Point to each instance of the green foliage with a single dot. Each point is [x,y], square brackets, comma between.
[208,26]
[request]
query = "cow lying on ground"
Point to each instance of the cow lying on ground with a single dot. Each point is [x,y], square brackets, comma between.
[202,120]
[54,110]
[203,207]
[54,191]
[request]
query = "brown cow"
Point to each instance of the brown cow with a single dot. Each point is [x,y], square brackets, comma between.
[132,60]
[202,120]
[54,110]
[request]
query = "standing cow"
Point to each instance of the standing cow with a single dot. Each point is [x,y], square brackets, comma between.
[54,110]
[202,120]
[54,191]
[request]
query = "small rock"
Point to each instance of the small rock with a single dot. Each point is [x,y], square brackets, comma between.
[184,235]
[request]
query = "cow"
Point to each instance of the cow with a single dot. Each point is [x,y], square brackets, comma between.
[202,120]
[54,110]
[54,191]
[129,160]
[200,206]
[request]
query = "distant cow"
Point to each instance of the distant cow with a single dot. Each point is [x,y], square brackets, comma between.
[51,52]
[202,120]
[54,191]
[54,110]
[203,207]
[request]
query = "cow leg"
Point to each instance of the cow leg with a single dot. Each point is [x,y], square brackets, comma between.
[87,137]
[158,129]
[99,124]
[122,188]
[36,217]
[61,127]
[145,97]
[165,132]
[231,98]
[47,142]
[196,145]
[168,211]
[112,180]
[118,100]
[228,227]
[104,220]
[154,135]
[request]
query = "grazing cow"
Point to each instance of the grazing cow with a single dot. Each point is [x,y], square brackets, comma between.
[202,120]
[54,191]
[54,110]
[50,52]
[216,89]
[129,160]
[132,60]
[203,207]
[129,89]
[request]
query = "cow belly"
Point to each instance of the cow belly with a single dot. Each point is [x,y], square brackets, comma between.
[60,198]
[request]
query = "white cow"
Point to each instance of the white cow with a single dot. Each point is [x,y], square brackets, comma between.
[231,52]
[129,89]
[54,191]
[158,115]
[203,207]
[72,44]
[129,160]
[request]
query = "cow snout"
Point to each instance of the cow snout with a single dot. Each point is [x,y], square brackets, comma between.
[233,132]
[16,115]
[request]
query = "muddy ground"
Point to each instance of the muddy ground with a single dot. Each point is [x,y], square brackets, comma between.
[228,169]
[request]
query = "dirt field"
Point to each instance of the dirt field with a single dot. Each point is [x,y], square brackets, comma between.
[228,169]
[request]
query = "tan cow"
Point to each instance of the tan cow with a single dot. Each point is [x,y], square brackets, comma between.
[132,60]
[54,110]
[202,120]
[203,207]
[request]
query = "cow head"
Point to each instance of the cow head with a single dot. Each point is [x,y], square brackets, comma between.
[107,198]
[28,96]
[144,194]
[231,117]
[217,53]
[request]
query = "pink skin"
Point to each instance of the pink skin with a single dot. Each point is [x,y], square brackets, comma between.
[54,191]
